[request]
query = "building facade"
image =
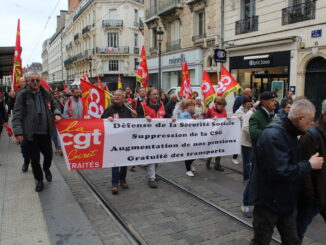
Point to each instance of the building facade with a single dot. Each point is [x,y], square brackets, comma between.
[278,45]
[190,34]
[45,59]
[103,39]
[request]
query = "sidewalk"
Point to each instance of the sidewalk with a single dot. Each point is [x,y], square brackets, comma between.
[28,218]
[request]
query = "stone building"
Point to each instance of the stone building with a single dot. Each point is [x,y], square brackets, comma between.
[103,39]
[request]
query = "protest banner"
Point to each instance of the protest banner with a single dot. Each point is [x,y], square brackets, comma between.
[99,143]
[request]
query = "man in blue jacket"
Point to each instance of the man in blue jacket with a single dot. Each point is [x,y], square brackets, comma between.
[278,173]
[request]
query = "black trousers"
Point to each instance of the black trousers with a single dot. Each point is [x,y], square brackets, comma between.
[40,144]
[264,222]
[188,164]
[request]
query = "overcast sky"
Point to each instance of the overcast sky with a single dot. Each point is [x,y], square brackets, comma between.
[33,16]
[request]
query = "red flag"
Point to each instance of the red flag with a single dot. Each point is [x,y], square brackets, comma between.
[85,77]
[44,84]
[142,72]
[106,88]
[95,100]
[186,90]
[207,89]
[65,86]
[17,70]
[100,84]
[227,83]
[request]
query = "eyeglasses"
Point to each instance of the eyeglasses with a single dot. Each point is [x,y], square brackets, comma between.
[35,80]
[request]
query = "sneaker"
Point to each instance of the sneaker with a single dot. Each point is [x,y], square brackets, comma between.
[152,184]
[235,161]
[115,190]
[124,184]
[246,211]
[193,168]
[190,173]
[48,175]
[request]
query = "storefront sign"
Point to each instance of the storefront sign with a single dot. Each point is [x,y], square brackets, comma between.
[177,60]
[220,55]
[316,33]
[99,143]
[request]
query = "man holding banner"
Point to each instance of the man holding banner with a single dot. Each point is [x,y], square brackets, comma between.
[119,109]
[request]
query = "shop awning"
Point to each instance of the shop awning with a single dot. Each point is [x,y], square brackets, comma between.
[6,60]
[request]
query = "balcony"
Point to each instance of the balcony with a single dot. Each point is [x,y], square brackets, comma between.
[111,50]
[166,7]
[298,13]
[76,36]
[112,23]
[198,37]
[173,45]
[86,29]
[80,56]
[246,25]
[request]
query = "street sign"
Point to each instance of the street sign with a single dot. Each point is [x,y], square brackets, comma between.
[220,55]
[316,33]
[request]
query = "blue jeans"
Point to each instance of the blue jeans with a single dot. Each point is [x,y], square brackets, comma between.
[246,160]
[119,175]
[55,140]
[306,212]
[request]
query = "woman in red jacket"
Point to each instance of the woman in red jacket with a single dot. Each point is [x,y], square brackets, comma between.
[214,112]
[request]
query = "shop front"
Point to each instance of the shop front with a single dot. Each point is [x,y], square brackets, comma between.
[171,68]
[263,72]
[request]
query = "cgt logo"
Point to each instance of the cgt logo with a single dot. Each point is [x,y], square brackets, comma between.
[82,140]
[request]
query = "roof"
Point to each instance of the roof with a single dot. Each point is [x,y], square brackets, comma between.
[6,60]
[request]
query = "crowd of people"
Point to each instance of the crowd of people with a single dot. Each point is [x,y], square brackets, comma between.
[282,147]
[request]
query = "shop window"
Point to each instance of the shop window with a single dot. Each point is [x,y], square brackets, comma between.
[113,65]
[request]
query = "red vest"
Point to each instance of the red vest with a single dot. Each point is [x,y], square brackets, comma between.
[148,111]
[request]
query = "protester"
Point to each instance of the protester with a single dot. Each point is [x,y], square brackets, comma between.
[129,96]
[288,97]
[164,97]
[169,107]
[194,95]
[313,194]
[214,112]
[152,108]
[33,119]
[74,106]
[140,98]
[239,100]
[179,108]
[11,101]
[189,113]
[200,108]
[57,97]
[246,152]
[118,109]
[285,108]
[278,172]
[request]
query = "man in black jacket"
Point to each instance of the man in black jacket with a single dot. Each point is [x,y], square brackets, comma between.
[119,109]
[278,173]
[33,119]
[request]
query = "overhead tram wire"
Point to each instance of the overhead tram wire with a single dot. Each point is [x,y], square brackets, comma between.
[46,25]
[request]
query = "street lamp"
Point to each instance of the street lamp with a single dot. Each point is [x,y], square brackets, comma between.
[159,38]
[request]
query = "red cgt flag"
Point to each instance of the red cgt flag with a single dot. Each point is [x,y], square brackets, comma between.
[17,67]
[100,84]
[227,83]
[95,100]
[142,72]
[44,84]
[207,89]
[185,91]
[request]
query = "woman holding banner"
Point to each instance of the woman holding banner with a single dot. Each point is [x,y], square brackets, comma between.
[152,108]
[189,113]
[214,112]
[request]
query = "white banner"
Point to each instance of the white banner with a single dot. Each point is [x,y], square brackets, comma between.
[134,142]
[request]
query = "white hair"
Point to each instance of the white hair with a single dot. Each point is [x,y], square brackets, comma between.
[299,107]
[31,73]
[323,107]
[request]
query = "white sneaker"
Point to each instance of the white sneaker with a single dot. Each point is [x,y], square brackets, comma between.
[193,169]
[235,161]
[190,173]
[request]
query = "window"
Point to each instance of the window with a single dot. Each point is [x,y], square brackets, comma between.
[113,14]
[153,38]
[199,23]
[113,65]
[248,9]
[136,63]
[136,40]
[175,30]
[113,39]
[136,18]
